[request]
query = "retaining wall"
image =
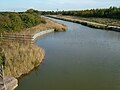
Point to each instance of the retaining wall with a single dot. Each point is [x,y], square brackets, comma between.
[42,33]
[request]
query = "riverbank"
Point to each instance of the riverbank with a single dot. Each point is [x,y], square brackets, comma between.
[87,22]
[82,58]
[21,58]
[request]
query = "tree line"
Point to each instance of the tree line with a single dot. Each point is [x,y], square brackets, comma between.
[17,21]
[112,12]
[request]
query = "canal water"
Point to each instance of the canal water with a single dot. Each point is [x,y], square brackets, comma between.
[82,58]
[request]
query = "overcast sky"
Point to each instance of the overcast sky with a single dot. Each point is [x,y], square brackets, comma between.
[21,5]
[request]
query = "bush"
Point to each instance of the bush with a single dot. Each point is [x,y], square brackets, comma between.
[12,22]
[16,22]
[5,23]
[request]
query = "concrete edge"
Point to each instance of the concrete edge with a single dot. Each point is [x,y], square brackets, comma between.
[42,33]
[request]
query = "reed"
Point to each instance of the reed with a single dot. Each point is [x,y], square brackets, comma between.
[21,58]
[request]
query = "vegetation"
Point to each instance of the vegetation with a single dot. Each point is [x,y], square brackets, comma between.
[25,57]
[41,27]
[105,21]
[112,12]
[16,22]
[2,57]
[88,22]
[50,12]
[32,11]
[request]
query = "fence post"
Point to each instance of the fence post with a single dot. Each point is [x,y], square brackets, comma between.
[2,76]
[1,36]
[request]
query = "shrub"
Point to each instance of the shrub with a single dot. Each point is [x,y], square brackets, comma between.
[15,22]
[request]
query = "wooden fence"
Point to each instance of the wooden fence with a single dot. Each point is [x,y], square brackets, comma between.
[16,38]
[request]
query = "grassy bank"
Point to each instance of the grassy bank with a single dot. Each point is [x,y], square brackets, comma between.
[108,24]
[48,25]
[20,58]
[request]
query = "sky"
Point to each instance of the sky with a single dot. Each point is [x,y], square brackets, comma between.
[22,5]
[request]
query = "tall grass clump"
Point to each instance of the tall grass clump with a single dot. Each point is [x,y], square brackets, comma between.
[21,58]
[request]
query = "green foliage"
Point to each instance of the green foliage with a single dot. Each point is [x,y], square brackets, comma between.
[49,12]
[12,22]
[5,23]
[16,22]
[112,12]
[32,11]
[30,20]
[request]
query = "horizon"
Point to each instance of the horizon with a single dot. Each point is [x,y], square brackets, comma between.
[58,10]
[53,5]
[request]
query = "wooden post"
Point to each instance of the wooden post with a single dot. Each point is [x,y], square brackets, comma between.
[1,36]
[2,76]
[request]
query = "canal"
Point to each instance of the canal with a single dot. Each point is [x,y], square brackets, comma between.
[82,58]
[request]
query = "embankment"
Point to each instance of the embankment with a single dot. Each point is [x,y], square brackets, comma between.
[37,35]
[87,23]
[22,58]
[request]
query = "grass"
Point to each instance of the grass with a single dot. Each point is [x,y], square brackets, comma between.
[41,27]
[110,22]
[101,23]
[21,58]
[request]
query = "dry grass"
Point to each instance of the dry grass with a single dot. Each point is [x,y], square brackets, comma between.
[107,21]
[41,27]
[100,23]
[23,57]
